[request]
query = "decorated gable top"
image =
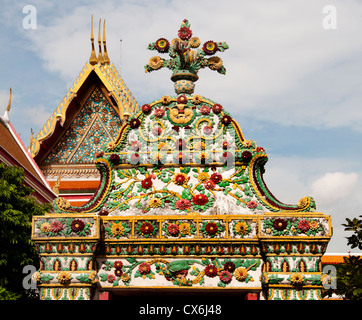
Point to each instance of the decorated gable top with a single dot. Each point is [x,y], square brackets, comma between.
[183,153]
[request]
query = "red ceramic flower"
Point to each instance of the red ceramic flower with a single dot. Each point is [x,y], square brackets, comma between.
[226,120]
[180,178]
[146,108]
[205,110]
[162,45]
[77,225]
[173,229]
[185,33]
[229,266]
[159,112]
[135,145]
[279,224]
[182,204]
[246,155]
[134,123]
[303,225]
[118,264]
[209,47]
[118,272]
[251,204]
[207,130]
[211,228]
[146,183]
[144,268]
[146,228]
[226,145]
[56,226]
[217,108]
[114,158]
[225,276]
[209,185]
[200,199]
[182,99]
[211,271]
[216,177]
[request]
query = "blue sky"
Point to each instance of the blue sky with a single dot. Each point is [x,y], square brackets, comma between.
[293,86]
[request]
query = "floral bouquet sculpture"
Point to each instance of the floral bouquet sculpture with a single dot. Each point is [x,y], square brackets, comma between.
[185,59]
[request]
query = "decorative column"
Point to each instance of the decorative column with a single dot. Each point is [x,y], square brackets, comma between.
[66,244]
[292,246]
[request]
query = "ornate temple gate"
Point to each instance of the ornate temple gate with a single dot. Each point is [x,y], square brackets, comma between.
[182,205]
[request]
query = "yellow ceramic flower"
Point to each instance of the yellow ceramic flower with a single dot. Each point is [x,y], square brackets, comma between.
[117,229]
[155,63]
[241,228]
[215,63]
[64,277]
[303,202]
[194,42]
[93,277]
[196,99]
[314,225]
[155,202]
[125,277]
[45,227]
[165,100]
[185,228]
[297,279]
[203,176]
[240,274]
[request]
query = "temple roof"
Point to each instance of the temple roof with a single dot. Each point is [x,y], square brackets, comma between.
[100,71]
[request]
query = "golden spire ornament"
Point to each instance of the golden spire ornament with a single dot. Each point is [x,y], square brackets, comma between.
[100,57]
[93,58]
[105,55]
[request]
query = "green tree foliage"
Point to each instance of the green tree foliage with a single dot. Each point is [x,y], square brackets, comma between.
[17,207]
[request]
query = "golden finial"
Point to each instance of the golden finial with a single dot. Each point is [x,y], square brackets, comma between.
[93,58]
[31,139]
[105,55]
[9,104]
[100,57]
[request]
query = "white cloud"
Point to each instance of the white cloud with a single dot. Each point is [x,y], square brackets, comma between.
[335,186]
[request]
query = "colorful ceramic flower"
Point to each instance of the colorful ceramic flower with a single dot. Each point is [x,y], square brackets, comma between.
[242,228]
[194,42]
[182,99]
[205,110]
[118,272]
[229,266]
[180,178]
[144,268]
[155,202]
[209,185]
[114,158]
[136,145]
[303,225]
[314,225]
[146,108]
[252,204]
[155,63]
[134,123]
[240,274]
[173,229]
[162,45]
[200,199]
[185,33]
[196,99]
[209,47]
[156,131]
[56,226]
[117,229]
[111,278]
[211,228]
[165,100]
[211,271]
[185,228]
[183,204]
[216,177]
[215,63]
[45,227]
[203,176]
[118,264]
[226,145]
[225,276]
[207,130]
[77,225]
[64,277]
[159,112]
[297,279]
[146,228]
[217,108]
[226,120]
[279,224]
[147,183]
